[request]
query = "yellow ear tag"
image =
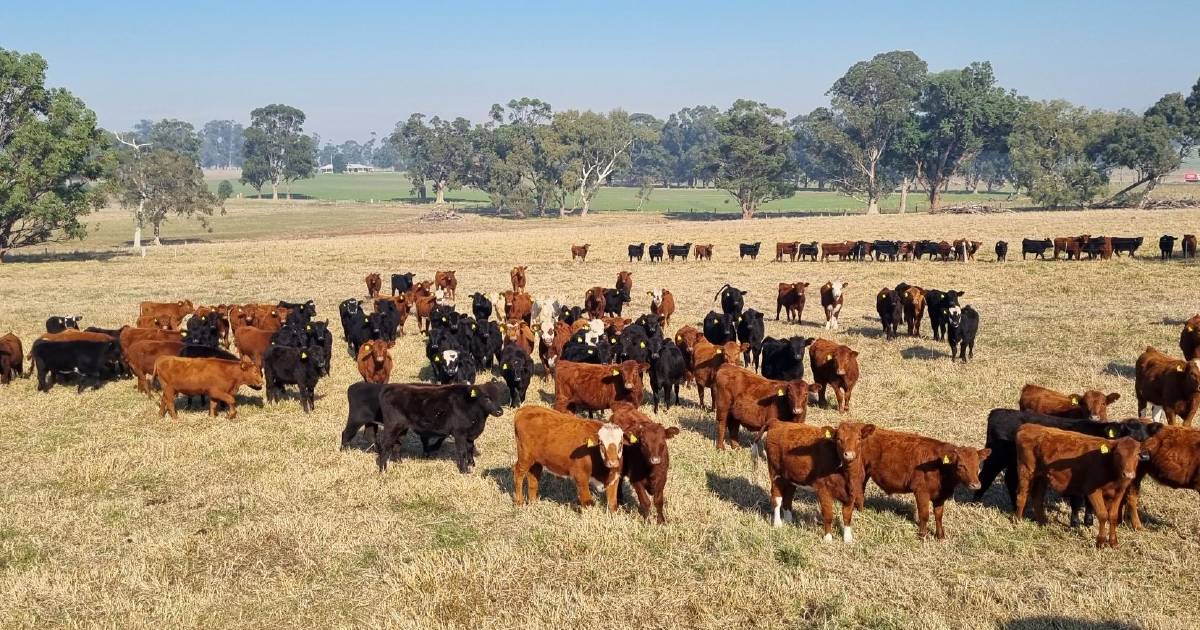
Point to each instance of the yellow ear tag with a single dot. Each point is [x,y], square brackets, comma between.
[472,326]
[632,439]
[308,328]
[1104,448]
[437,359]
[1179,368]
[590,351]
[183,334]
[504,366]
[366,319]
[716,321]
[1112,433]
[591,442]
[739,318]
[1191,328]
[616,372]
[642,344]
[303,355]
[612,340]
[829,357]
[945,459]
[1074,400]
[474,393]
[779,392]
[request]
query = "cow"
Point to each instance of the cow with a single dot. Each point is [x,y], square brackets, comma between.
[706,359]
[393,312]
[743,398]
[633,344]
[637,251]
[749,249]
[481,307]
[520,333]
[791,300]
[656,252]
[553,335]
[363,400]
[454,365]
[252,343]
[567,446]
[783,359]
[808,250]
[1189,246]
[302,367]
[786,249]
[886,249]
[964,249]
[594,302]
[1037,247]
[912,300]
[580,349]
[861,250]
[446,281]
[90,359]
[891,311]
[1166,247]
[678,251]
[434,412]
[668,369]
[826,459]
[732,299]
[750,331]
[176,311]
[12,358]
[1174,463]
[374,285]
[939,304]
[719,327]
[580,252]
[160,322]
[1075,465]
[1091,404]
[615,301]
[841,250]
[516,368]
[1170,385]
[59,323]
[218,379]
[662,304]
[836,366]
[587,387]
[517,275]
[1001,251]
[962,326]
[645,460]
[518,306]
[702,252]
[141,357]
[832,295]
[929,469]
[374,361]
[1189,338]
[1127,244]
[402,282]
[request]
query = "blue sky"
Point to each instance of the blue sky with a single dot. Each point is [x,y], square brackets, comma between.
[356,67]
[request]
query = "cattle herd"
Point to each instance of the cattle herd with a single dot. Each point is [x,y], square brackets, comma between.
[597,359]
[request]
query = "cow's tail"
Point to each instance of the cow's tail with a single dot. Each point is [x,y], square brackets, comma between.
[758,447]
[720,290]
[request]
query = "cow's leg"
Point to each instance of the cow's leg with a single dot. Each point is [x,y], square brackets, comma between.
[660,506]
[826,502]
[987,474]
[643,499]
[922,499]
[939,507]
[1024,480]
[1096,499]
[841,396]
[821,398]
[583,488]
[225,397]
[848,521]
[1039,500]
[1131,504]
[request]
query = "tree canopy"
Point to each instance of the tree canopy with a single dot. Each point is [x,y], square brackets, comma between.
[753,161]
[438,151]
[275,149]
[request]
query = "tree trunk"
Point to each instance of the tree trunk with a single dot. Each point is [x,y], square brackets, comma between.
[873,205]
[975,188]
[747,209]
[904,194]
[935,197]
[137,225]
[274,190]
[157,237]
[440,189]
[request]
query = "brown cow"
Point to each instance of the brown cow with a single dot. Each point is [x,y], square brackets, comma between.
[825,459]
[841,250]
[130,336]
[1189,245]
[913,302]
[832,296]
[686,339]
[175,311]
[702,252]
[964,249]
[252,343]
[568,447]
[929,469]
[12,358]
[593,302]
[791,300]
[374,284]
[743,398]
[614,325]
[645,460]
[588,387]
[1091,404]
[402,305]
[580,252]
[1169,385]
[446,281]
[662,303]
[374,361]
[519,332]
[218,379]
[1189,338]
[624,281]
[549,352]
[518,305]
[1174,462]
[72,334]
[423,308]
[161,322]
[786,249]
[517,276]
[1075,465]
[142,356]
[836,366]
[707,358]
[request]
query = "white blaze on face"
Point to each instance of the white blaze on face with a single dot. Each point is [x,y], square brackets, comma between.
[450,359]
[439,295]
[656,298]
[837,289]
[610,444]
[547,330]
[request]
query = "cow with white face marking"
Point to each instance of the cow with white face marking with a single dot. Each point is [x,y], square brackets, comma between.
[832,295]
[662,303]
[567,446]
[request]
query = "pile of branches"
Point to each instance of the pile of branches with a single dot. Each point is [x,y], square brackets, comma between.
[1171,203]
[447,214]
[970,208]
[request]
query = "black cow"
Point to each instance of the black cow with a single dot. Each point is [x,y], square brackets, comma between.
[493,342]
[750,329]
[962,326]
[190,351]
[808,249]
[516,367]
[731,300]
[1002,425]
[481,307]
[1036,247]
[637,251]
[290,336]
[306,310]
[577,349]
[614,301]
[748,249]
[859,250]
[891,311]
[1166,247]
[668,368]
[59,323]
[890,249]
[95,360]
[320,338]
[436,411]
[1127,244]
[402,282]
[302,367]
[364,412]
[656,252]
[652,324]
[678,251]
[719,327]
[783,359]
[939,303]
[1001,251]
[355,325]
[633,345]
[202,330]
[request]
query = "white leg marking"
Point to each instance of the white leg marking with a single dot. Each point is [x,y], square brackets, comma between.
[1157,413]
[828,538]
[847,534]
[776,520]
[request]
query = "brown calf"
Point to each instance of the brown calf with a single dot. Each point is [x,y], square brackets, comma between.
[1189,245]
[518,305]
[1174,462]
[1170,384]
[580,252]
[517,276]
[252,343]
[707,358]
[588,387]
[929,469]
[374,284]
[568,447]
[791,300]
[446,281]
[841,250]
[833,365]
[216,378]
[702,252]
[624,281]
[423,308]
[374,361]
[1075,465]
[142,357]
[913,302]
[646,460]
[743,398]
[593,302]
[549,352]
[662,303]
[518,332]
[130,336]
[786,249]
[12,358]
[1091,404]
[832,295]
[1189,338]
[175,311]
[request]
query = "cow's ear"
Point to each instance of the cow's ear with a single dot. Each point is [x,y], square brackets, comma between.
[814,388]
[744,292]
[984,452]
[854,353]
[1112,398]
[867,430]
[1153,428]
[672,432]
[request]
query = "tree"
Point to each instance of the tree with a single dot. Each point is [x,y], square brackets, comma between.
[753,162]
[867,105]
[339,163]
[224,190]
[805,153]
[649,161]
[1049,148]
[221,144]
[155,183]
[174,135]
[50,152]
[597,145]
[1182,116]
[690,138]
[275,148]
[439,151]
[1142,144]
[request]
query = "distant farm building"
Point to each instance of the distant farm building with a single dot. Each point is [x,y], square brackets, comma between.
[350,168]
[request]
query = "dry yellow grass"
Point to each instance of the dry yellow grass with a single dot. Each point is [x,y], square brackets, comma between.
[114,517]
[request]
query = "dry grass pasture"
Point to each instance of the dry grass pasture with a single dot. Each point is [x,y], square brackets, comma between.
[113,517]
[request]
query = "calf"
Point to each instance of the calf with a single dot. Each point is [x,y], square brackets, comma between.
[252,343]
[783,359]
[719,327]
[1075,465]
[176,311]
[929,469]
[706,360]
[1174,462]
[807,250]
[580,252]
[302,367]
[583,450]
[481,307]
[402,282]
[518,306]
[656,252]
[141,358]
[891,311]
[516,367]
[678,251]
[218,379]
[1170,385]
[662,304]
[363,400]
[1036,247]
[732,300]
[374,361]
[668,369]
[826,459]
[594,302]
[624,282]
[1091,404]
[1128,245]
[615,301]
[1189,246]
[703,252]
[586,387]
[59,323]
[446,281]
[964,249]
[743,398]
[841,250]
[637,251]
[786,249]
[1189,338]
[374,285]
[748,249]
[750,331]
[92,360]
[1166,247]
[1001,251]
[520,333]
[645,460]
[912,300]
[832,295]
[836,366]
[962,327]
[12,358]
[939,304]
[791,300]
[436,411]
[886,249]
[518,278]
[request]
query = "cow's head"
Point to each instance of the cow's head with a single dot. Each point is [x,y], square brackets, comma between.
[837,287]
[731,352]
[798,345]
[487,397]
[849,437]
[651,439]
[793,397]
[610,439]
[1123,455]
[1095,403]
[629,375]
[652,324]
[964,461]
[250,374]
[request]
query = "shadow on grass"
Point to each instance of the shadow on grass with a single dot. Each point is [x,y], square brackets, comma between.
[738,491]
[1065,623]
[1170,321]
[866,331]
[75,256]
[551,487]
[282,197]
[923,353]
[169,241]
[1119,369]
[895,505]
